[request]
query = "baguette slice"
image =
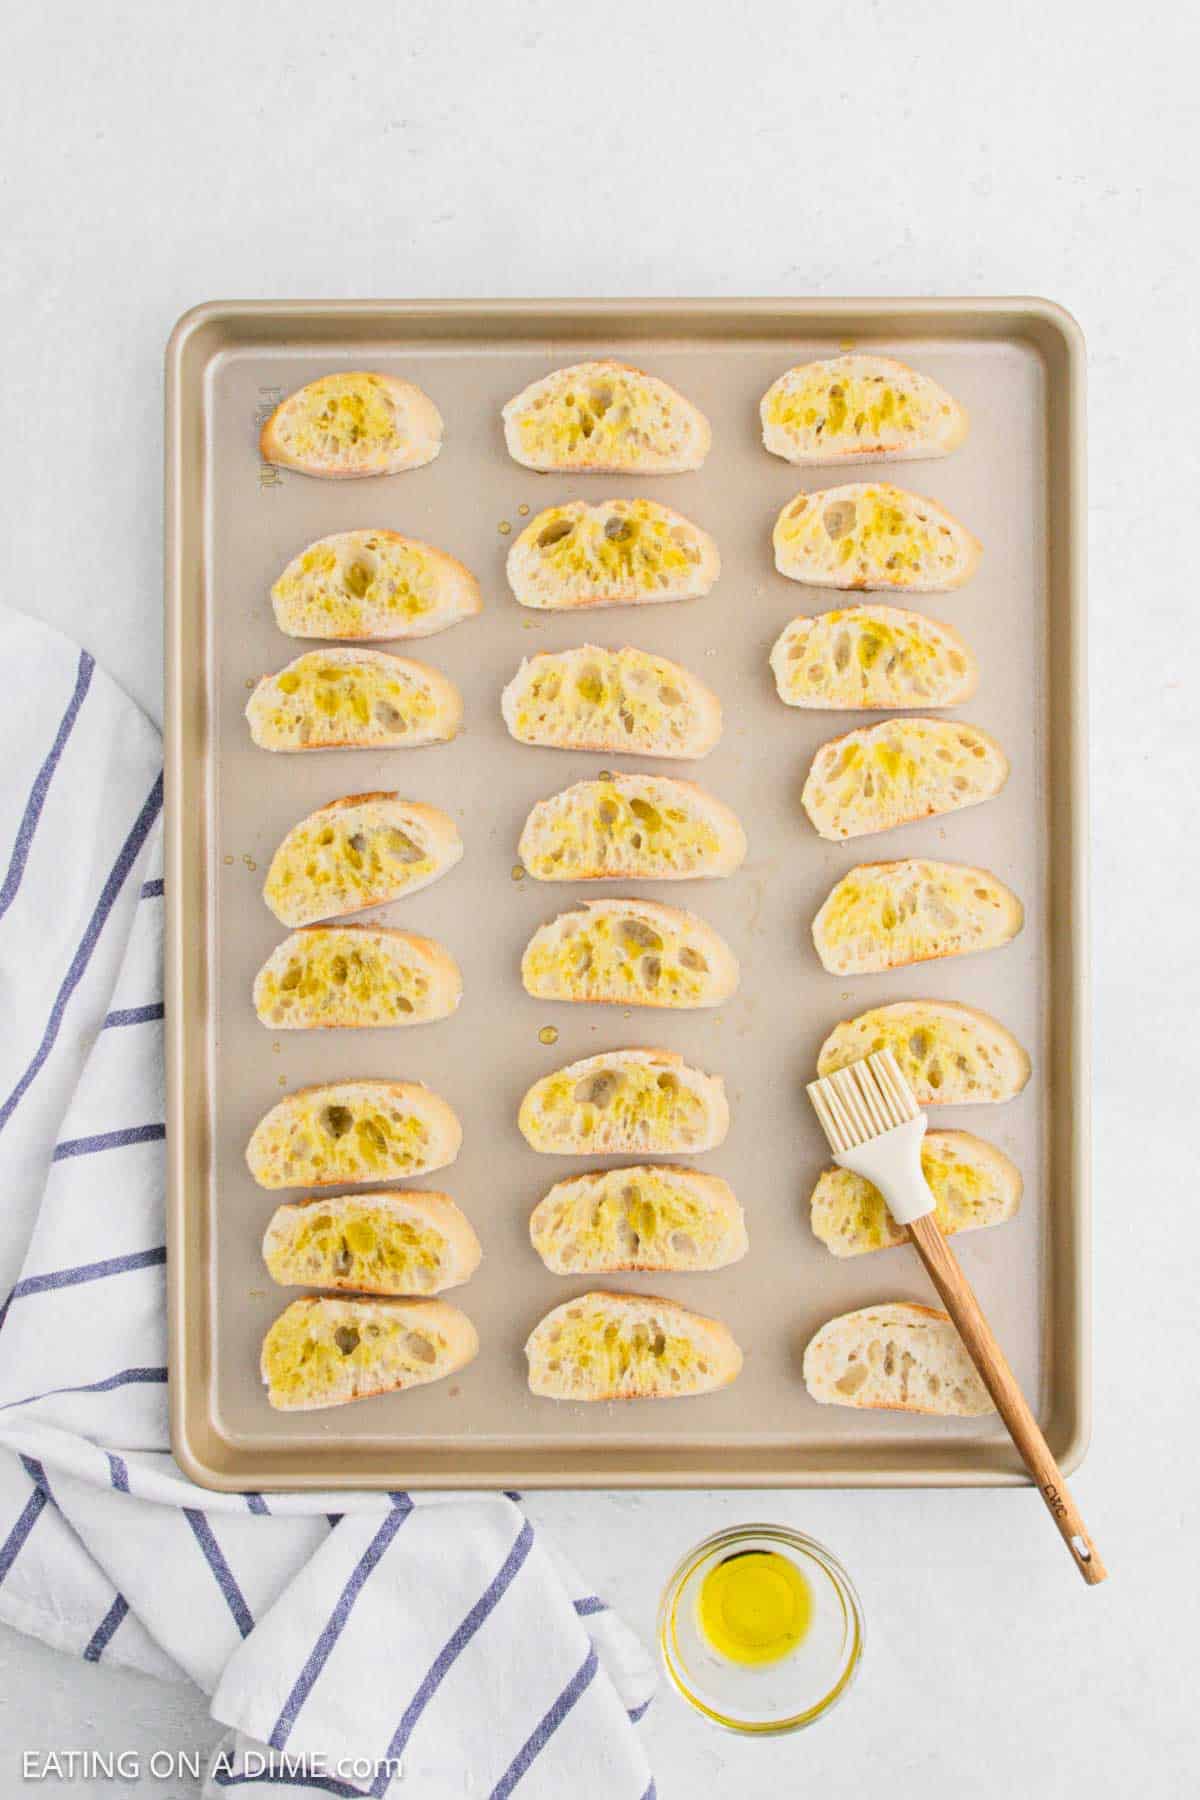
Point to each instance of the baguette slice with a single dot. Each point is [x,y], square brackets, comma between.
[356,852]
[885,775]
[653,1216]
[323,1352]
[353,700]
[625,1102]
[616,553]
[859,409]
[871,659]
[886,915]
[359,423]
[629,1347]
[623,702]
[974,1185]
[605,417]
[354,976]
[870,535]
[950,1055]
[372,584]
[899,1356]
[353,1131]
[631,828]
[380,1243]
[631,953]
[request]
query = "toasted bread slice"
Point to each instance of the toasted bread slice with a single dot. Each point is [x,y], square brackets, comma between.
[359,585]
[973,1184]
[950,1055]
[885,915]
[359,423]
[631,828]
[353,700]
[616,553]
[629,1347]
[870,535]
[622,702]
[859,409]
[885,775]
[323,1352]
[898,1356]
[354,976]
[625,1102]
[380,1243]
[653,1216]
[605,418]
[353,1131]
[870,659]
[631,953]
[357,852]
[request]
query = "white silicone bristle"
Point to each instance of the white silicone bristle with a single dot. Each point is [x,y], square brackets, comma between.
[862,1101]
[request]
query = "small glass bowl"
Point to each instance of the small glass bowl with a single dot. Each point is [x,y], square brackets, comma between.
[765,1699]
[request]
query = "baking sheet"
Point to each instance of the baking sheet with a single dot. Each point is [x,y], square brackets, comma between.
[232,525]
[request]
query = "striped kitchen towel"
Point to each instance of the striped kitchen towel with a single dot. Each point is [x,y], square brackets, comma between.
[350,1641]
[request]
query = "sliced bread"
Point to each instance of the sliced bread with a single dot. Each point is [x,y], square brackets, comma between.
[625,1102]
[899,1356]
[872,658]
[359,423]
[353,1131]
[973,1185]
[359,585]
[652,1216]
[353,700]
[328,976]
[859,409]
[885,775]
[870,535]
[950,1055]
[323,1352]
[631,828]
[629,1347]
[357,852]
[622,702]
[885,915]
[380,1243]
[605,417]
[631,953]
[616,553]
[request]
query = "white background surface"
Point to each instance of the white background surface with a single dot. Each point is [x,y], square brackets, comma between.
[153,156]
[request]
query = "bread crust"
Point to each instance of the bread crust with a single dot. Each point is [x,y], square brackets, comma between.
[444,697]
[405,948]
[537,584]
[917,1030]
[642,460]
[612,736]
[460,1341]
[817,563]
[266,1151]
[945,426]
[877,949]
[958,1149]
[457,591]
[419,438]
[632,1137]
[687,927]
[956,765]
[929,1340]
[865,683]
[709,1337]
[426,1207]
[660,791]
[433,829]
[581,1194]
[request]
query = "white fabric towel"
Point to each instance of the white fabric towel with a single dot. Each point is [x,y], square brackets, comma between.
[349,1640]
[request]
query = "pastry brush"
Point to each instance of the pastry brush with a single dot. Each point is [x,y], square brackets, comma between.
[875,1128]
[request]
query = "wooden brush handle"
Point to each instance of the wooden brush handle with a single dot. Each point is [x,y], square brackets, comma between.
[1001,1384]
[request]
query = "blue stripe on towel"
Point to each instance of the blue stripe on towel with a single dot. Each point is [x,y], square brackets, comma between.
[41,786]
[108,1140]
[134,1015]
[151,890]
[334,1625]
[591,1603]
[64,1278]
[123,1378]
[637,1713]
[10,1549]
[256,1503]
[118,1471]
[213,1556]
[103,1633]
[87,944]
[537,1741]
[486,1603]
